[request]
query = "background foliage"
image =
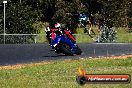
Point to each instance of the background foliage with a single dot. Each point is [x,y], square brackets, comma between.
[21,14]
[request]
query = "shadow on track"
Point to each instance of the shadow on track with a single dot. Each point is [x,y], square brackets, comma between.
[54,56]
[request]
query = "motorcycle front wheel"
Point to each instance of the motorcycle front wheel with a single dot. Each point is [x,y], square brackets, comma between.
[79,51]
[65,48]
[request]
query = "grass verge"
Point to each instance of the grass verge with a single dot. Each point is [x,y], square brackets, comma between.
[62,73]
[123,36]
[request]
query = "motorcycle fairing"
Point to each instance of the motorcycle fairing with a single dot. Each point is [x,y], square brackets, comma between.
[59,38]
[67,32]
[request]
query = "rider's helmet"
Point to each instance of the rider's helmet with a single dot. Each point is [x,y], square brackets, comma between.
[57,25]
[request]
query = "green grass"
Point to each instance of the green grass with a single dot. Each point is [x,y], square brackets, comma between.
[41,38]
[123,36]
[84,37]
[62,73]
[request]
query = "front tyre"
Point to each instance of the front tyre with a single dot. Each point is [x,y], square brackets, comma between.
[65,48]
[79,51]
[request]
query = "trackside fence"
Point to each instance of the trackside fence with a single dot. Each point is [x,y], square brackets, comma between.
[35,38]
[41,38]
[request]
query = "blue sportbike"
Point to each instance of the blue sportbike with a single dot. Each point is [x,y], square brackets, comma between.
[62,41]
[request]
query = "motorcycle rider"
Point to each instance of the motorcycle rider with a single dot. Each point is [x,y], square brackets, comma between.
[51,31]
[53,27]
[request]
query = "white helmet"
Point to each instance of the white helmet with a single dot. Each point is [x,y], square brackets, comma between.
[57,25]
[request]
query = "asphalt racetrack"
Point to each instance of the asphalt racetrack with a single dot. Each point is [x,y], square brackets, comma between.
[26,53]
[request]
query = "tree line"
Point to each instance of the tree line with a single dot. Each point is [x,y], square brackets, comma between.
[22,14]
